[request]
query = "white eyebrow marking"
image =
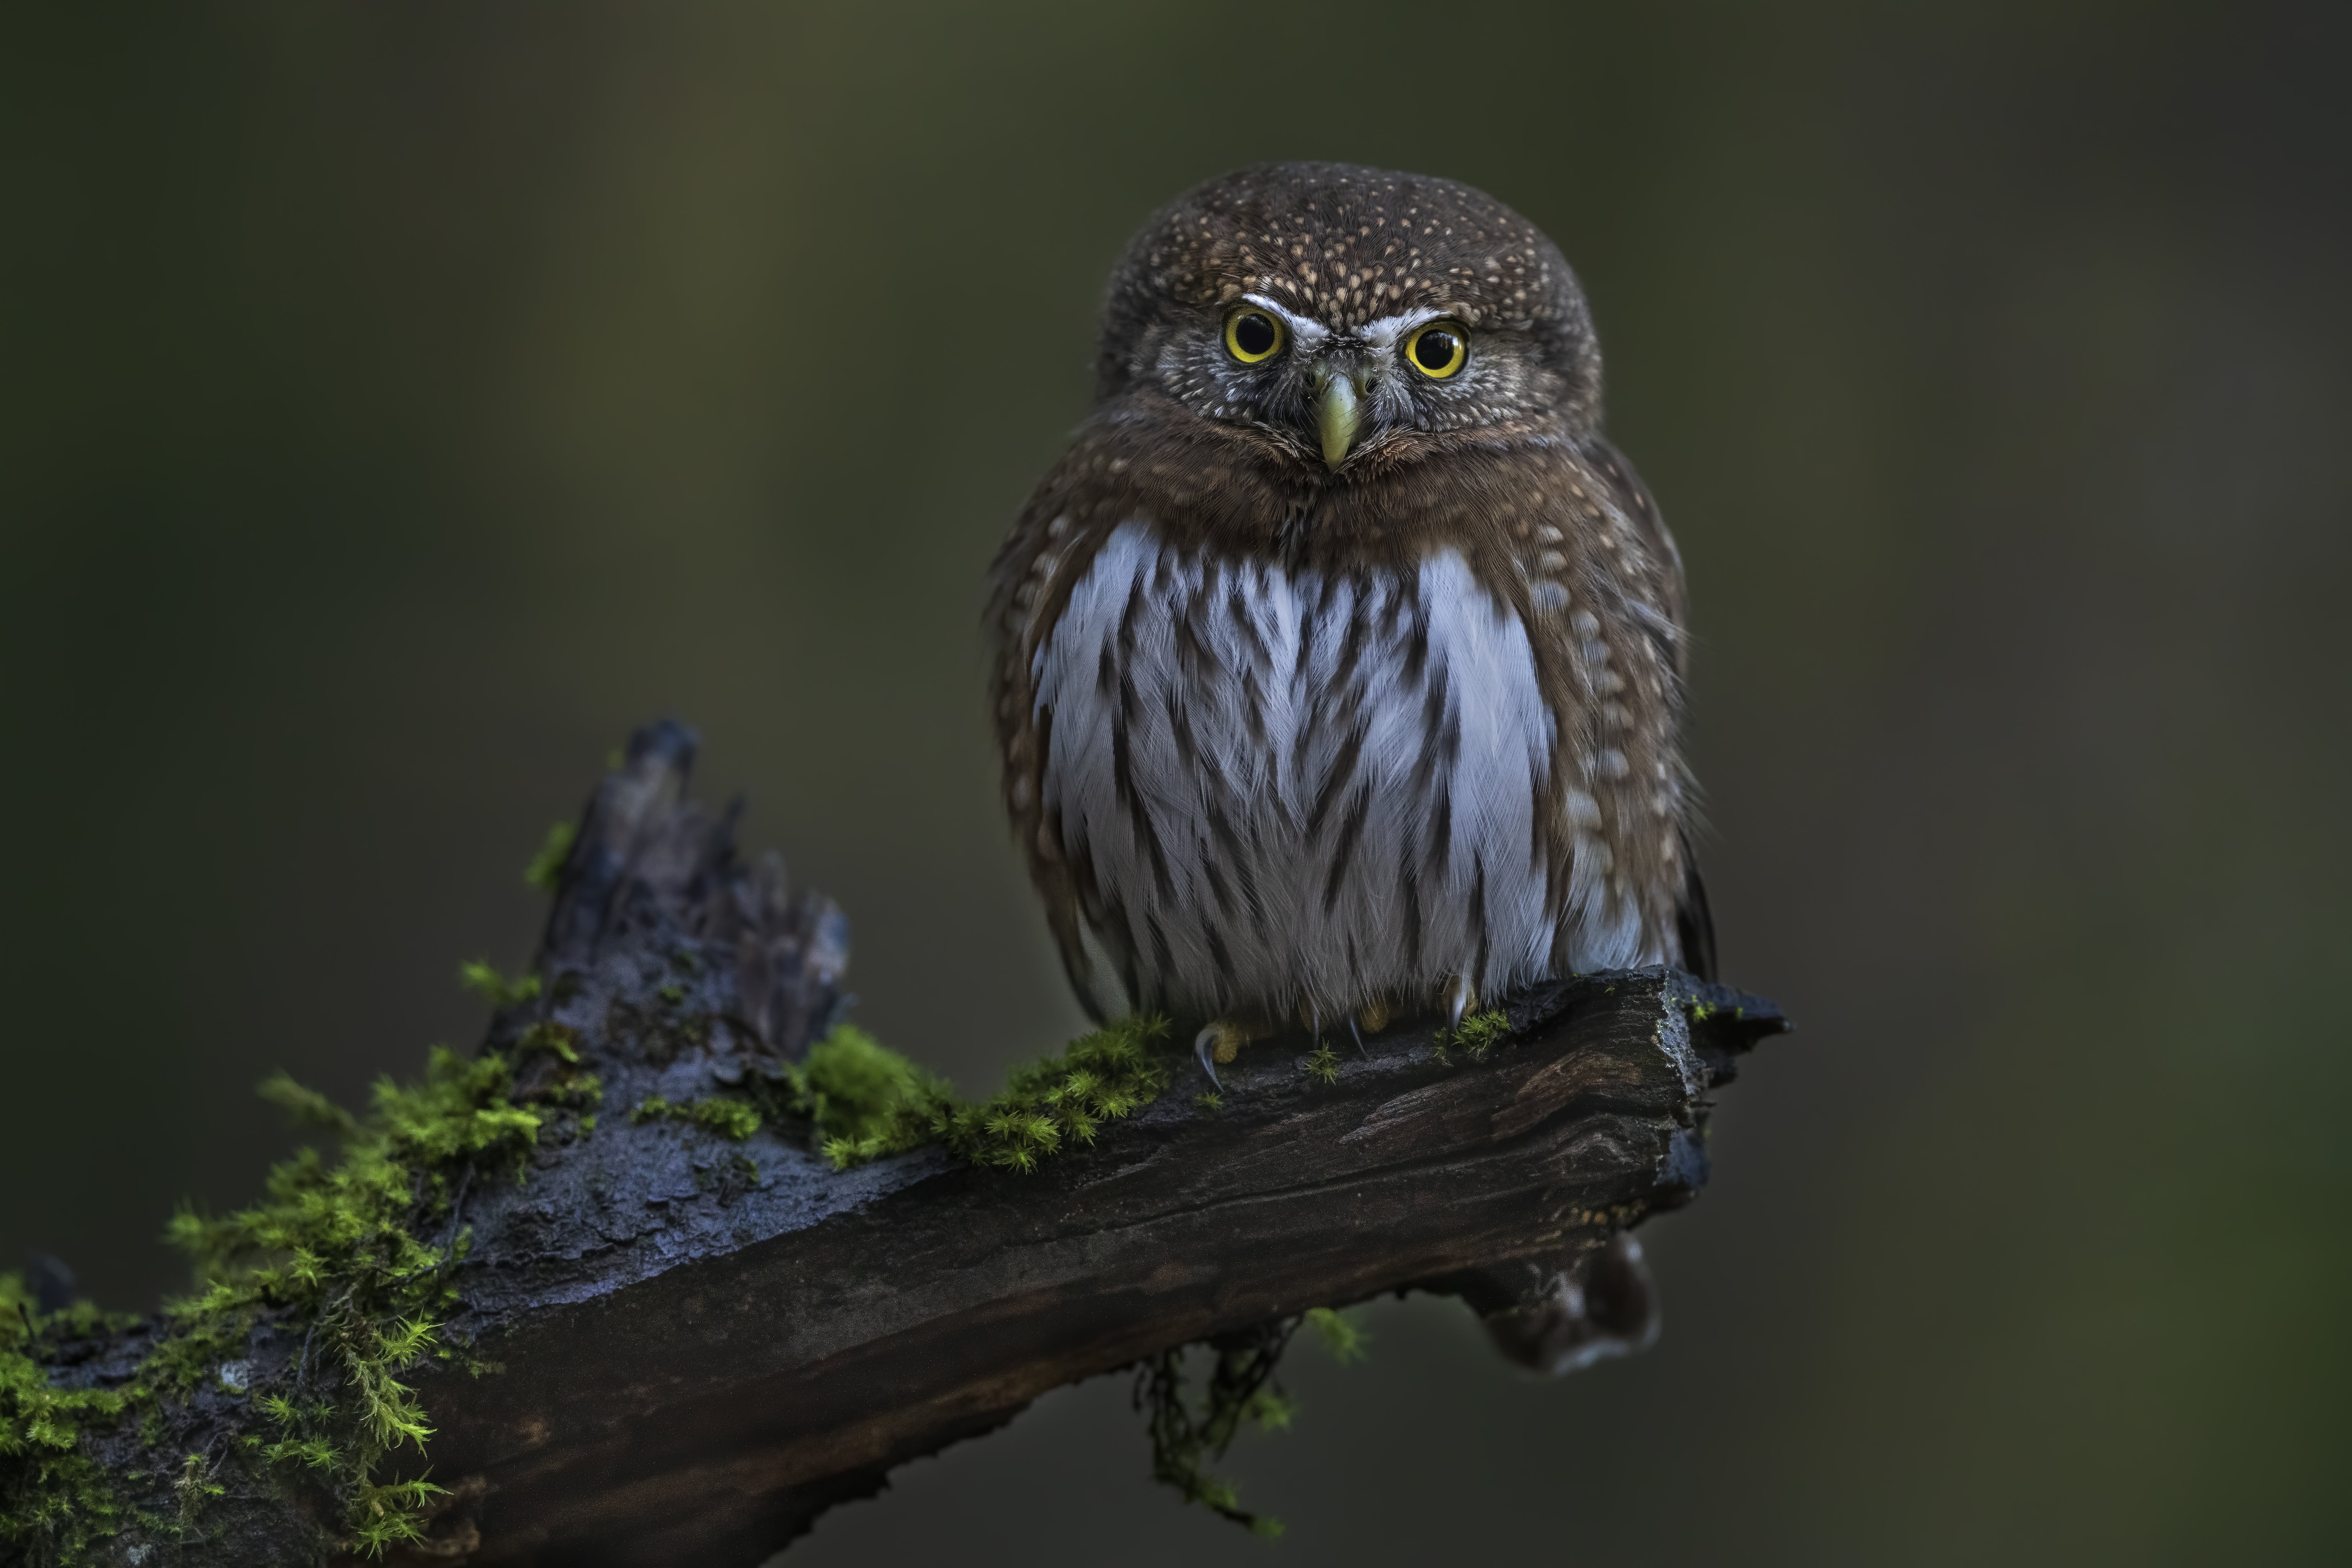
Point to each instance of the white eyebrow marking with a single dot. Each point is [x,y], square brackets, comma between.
[1383,334]
[1304,331]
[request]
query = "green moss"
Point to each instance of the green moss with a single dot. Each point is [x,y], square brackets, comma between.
[1323,1066]
[865,1100]
[308,1108]
[330,1252]
[578,1091]
[1339,1334]
[572,1089]
[495,988]
[557,1040]
[55,1501]
[546,868]
[1476,1034]
[1058,1102]
[731,1118]
[1191,1431]
[862,1099]
[195,1486]
[332,1246]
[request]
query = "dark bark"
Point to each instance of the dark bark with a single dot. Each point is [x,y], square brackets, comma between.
[704,1345]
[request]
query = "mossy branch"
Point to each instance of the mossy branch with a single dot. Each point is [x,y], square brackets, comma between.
[493,1328]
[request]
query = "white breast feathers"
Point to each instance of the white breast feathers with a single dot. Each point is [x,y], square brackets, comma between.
[1293,791]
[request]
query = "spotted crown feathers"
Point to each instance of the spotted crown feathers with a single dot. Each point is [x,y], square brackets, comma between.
[1348,246]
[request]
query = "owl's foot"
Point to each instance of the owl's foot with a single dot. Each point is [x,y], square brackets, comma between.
[1370,1018]
[1460,997]
[1220,1042]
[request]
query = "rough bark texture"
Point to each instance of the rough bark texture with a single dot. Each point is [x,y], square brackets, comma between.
[703,1344]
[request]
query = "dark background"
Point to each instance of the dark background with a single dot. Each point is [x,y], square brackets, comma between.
[397,403]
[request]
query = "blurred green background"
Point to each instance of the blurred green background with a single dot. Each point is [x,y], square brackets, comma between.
[399,403]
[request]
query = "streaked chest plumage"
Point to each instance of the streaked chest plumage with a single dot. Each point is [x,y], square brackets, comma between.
[1287,791]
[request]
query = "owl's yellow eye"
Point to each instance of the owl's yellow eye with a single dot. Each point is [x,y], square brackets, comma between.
[1253,337]
[1438,350]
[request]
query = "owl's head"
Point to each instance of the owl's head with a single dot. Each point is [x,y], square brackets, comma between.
[1352,314]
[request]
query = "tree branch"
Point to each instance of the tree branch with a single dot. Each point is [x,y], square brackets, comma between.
[701,1345]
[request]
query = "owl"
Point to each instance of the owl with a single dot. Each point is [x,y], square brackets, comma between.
[1338,662]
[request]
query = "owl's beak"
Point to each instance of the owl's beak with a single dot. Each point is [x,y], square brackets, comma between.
[1339,413]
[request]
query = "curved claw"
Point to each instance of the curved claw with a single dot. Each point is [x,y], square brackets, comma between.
[1360,1038]
[1203,1045]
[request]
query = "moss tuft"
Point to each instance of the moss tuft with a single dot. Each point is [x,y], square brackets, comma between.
[546,868]
[1338,1333]
[55,1501]
[863,1099]
[1476,1034]
[334,1247]
[1323,1066]
[331,1251]
[731,1118]
[195,1486]
[1189,1433]
[308,1108]
[495,988]
[557,1040]
[1057,1101]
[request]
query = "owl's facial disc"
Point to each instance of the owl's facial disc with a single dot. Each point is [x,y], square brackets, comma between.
[1340,388]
